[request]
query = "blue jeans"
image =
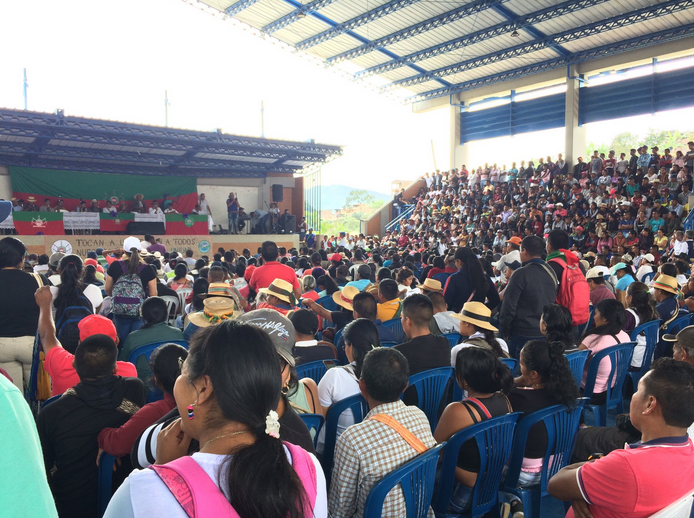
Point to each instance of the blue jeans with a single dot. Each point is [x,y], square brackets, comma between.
[516,342]
[233,222]
[125,326]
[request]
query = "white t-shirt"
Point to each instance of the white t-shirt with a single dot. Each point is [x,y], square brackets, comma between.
[204,207]
[454,351]
[337,384]
[93,293]
[151,498]
[643,270]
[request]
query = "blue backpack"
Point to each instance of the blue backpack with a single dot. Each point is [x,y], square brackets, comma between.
[67,321]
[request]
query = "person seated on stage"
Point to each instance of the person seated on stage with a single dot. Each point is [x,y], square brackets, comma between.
[82,207]
[155,209]
[165,364]
[69,427]
[138,206]
[170,210]
[30,205]
[94,207]
[46,207]
[109,208]
[647,476]
[59,363]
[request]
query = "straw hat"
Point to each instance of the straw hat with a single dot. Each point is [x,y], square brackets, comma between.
[432,285]
[667,283]
[476,314]
[218,289]
[216,311]
[31,199]
[280,289]
[345,297]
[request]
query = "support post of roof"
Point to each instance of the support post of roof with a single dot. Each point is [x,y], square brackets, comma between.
[574,132]
[458,151]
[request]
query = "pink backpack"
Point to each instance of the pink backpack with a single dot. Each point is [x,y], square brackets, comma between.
[200,497]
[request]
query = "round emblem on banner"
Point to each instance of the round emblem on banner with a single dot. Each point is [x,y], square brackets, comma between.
[114,199]
[204,246]
[62,246]
[188,222]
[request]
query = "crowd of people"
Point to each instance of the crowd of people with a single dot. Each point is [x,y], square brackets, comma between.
[511,263]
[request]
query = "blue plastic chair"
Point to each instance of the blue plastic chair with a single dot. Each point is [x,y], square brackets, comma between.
[388,344]
[691,318]
[650,329]
[314,370]
[338,335]
[453,338]
[511,363]
[395,325]
[648,277]
[106,463]
[583,328]
[494,441]
[562,427]
[148,349]
[327,302]
[313,422]
[620,357]
[359,407]
[416,479]
[432,388]
[665,348]
[577,362]
[155,394]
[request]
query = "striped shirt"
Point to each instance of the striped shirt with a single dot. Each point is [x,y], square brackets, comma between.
[368,451]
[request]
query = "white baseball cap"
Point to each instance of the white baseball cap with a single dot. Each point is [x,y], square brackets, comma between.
[130,243]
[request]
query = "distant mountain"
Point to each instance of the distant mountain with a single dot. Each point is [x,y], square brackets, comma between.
[334,196]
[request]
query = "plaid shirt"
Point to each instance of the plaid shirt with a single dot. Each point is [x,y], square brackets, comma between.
[368,451]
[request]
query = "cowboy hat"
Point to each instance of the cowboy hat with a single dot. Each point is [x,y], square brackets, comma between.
[345,297]
[280,289]
[216,310]
[476,314]
[432,285]
[667,283]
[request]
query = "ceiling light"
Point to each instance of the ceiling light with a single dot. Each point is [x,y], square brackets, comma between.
[515,34]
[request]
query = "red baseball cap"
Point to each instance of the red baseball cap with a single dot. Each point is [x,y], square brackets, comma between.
[97,325]
[336,257]
[516,240]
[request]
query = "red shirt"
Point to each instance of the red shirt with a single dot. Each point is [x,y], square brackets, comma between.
[262,277]
[640,480]
[63,375]
[119,441]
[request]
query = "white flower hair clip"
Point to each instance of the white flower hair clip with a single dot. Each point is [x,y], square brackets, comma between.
[272,424]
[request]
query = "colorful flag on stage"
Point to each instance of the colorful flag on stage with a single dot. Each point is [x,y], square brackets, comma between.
[117,223]
[33,223]
[74,186]
[186,224]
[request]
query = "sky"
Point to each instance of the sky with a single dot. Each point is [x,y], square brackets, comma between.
[115,60]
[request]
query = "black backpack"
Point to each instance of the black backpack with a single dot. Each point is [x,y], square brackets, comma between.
[67,319]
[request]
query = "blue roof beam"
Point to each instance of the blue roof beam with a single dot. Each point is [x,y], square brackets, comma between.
[239,6]
[357,21]
[647,40]
[295,15]
[469,39]
[535,33]
[638,16]
[418,28]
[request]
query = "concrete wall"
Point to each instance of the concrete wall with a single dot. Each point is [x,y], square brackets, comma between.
[5,184]
[377,222]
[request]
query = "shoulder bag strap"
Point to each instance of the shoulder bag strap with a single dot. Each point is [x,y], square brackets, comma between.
[480,406]
[550,272]
[350,370]
[306,471]
[403,432]
[193,489]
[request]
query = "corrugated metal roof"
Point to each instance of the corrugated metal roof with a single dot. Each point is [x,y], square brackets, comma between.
[462,40]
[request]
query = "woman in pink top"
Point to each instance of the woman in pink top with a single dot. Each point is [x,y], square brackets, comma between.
[609,319]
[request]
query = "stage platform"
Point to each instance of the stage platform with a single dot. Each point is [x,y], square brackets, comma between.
[201,245]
